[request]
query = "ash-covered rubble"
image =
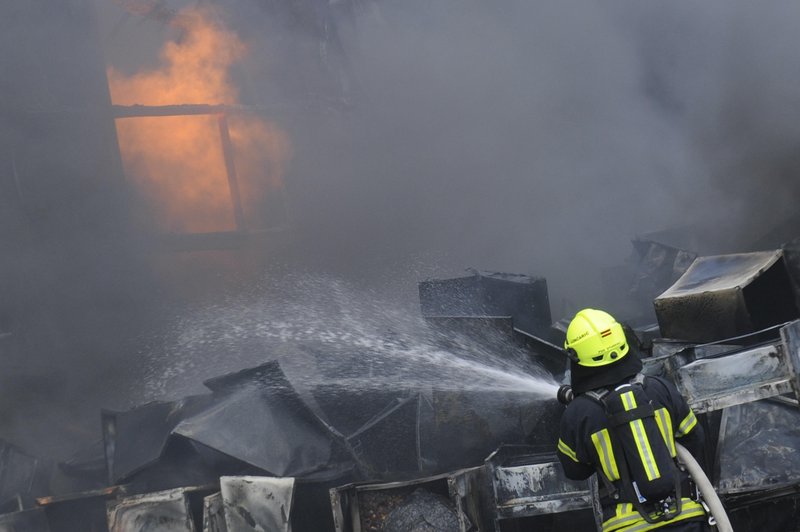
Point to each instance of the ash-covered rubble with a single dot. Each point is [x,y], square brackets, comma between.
[258,452]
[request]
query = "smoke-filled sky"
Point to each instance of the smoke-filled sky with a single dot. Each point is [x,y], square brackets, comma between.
[534,137]
[528,137]
[414,138]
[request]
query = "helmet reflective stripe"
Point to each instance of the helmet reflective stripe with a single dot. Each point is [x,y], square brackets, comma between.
[602,444]
[596,338]
[665,426]
[687,424]
[640,437]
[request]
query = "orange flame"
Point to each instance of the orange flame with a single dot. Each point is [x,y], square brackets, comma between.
[178,161]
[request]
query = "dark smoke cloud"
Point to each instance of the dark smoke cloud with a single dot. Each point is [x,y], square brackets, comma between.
[745,120]
[516,136]
[541,137]
[531,137]
[429,136]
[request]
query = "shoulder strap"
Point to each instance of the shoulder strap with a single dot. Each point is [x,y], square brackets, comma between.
[597,396]
[628,486]
[623,418]
[600,395]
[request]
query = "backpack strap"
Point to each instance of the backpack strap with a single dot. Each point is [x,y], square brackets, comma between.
[628,487]
[623,418]
[611,489]
[597,396]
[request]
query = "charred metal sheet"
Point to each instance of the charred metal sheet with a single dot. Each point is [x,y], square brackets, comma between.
[267,431]
[25,521]
[464,427]
[389,443]
[642,335]
[15,504]
[268,376]
[532,484]
[658,266]
[545,348]
[22,475]
[467,488]
[790,336]
[668,356]
[727,295]
[744,375]
[366,507]
[667,347]
[711,384]
[80,512]
[136,438]
[273,381]
[87,466]
[523,298]
[348,409]
[292,439]
[164,511]
[254,504]
[770,510]
[214,514]
[758,446]
[311,509]
[254,417]
[791,253]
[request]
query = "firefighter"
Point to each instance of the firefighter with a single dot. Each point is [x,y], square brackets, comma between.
[623,426]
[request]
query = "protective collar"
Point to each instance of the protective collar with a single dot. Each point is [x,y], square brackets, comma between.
[585,379]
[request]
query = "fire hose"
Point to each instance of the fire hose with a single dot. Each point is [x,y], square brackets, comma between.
[710,497]
[710,500]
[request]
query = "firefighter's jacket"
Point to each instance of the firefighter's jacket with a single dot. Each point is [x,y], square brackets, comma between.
[585,446]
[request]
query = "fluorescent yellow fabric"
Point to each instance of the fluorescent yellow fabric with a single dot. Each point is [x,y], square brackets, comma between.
[687,424]
[640,437]
[564,448]
[602,444]
[627,519]
[664,421]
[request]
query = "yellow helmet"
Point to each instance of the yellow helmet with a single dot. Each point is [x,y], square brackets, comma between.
[594,338]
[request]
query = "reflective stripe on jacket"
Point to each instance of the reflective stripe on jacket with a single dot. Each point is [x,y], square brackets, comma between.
[585,446]
[627,519]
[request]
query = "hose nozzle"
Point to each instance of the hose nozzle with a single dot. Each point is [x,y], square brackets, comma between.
[564,394]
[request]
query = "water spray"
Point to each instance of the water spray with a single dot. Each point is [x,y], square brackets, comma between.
[325,332]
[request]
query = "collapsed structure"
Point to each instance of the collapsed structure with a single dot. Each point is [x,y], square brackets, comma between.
[257,453]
